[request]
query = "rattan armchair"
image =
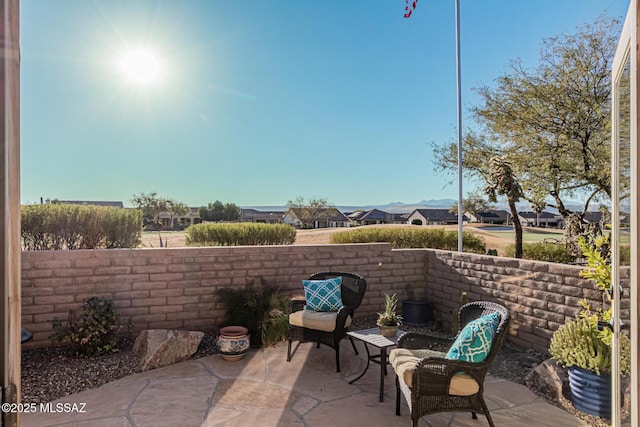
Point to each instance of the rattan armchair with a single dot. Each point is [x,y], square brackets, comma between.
[435,383]
[353,288]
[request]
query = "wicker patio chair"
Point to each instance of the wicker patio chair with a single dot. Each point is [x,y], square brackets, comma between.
[430,383]
[303,325]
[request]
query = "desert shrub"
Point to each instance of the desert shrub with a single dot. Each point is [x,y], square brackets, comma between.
[94,332]
[122,228]
[625,255]
[541,251]
[62,226]
[261,309]
[240,234]
[435,238]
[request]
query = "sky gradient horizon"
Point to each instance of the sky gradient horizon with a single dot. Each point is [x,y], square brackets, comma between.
[260,102]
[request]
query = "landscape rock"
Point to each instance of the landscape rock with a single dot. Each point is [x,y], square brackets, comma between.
[547,378]
[161,347]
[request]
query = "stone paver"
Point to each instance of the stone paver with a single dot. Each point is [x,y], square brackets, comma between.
[263,389]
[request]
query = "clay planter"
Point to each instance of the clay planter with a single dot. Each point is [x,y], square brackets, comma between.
[233,342]
[388,331]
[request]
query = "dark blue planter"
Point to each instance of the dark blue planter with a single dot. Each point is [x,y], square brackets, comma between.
[590,393]
[416,312]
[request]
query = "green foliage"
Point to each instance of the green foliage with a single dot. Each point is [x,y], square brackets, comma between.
[94,332]
[552,121]
[597,269]
[558,113]
[64,226]
[240,234]
[625,255]
[473,203]
[542,251]
[402,238]
[218,211]
[151,206]
[389,317]
[579,343]
[261,309]
[583,342]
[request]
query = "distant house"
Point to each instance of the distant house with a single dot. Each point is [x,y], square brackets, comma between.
[593,217]
[93,203]
[544,219]
[182,221]
[433,216]
[328,218]
[399,218]
[265,217]
[377,216]
[490,217]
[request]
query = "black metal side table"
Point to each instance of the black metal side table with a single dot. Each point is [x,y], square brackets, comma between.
[373,337]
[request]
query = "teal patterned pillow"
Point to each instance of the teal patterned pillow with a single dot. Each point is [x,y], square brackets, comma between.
[323,295]
[474,342]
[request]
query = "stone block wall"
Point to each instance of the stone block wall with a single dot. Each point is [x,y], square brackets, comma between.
[176,288]
[540,295]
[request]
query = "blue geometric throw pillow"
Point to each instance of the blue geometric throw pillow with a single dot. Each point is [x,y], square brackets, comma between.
[474,342]
[323,295]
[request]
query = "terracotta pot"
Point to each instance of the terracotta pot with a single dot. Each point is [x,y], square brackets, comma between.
[388,331]
[233,342]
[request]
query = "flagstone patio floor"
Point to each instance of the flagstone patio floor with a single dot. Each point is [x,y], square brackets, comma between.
[263,389]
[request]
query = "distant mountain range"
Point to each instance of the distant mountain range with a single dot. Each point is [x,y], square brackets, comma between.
[400,207]
[393,207]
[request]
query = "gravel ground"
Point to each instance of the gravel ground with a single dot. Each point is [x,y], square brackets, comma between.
[51,373]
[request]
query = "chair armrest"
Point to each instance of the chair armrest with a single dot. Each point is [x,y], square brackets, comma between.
[296,304]
[415,340]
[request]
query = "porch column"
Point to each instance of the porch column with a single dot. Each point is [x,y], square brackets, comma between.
[10,209]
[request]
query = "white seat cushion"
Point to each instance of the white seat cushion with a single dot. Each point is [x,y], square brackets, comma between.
[404,362]
[317,320]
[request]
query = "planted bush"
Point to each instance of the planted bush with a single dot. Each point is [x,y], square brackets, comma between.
[261,309]
[93,333]
[236,234]
[62,226]
[541,251]
[402,238]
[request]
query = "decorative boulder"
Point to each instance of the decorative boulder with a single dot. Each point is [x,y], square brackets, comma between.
[547,378]
[161,347]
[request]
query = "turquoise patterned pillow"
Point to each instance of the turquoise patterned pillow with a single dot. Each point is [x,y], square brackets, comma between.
[474,342]
[323,295]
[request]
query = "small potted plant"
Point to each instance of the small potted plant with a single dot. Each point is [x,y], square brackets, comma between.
[584,346]
[389,320]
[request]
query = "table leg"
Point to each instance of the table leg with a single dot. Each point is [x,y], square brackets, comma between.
[366,347]
[383,369]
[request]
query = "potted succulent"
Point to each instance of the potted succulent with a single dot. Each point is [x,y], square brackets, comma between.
[584,346]
[416,311]
[389,320]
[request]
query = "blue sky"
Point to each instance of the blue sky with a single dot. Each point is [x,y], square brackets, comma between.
[260,101]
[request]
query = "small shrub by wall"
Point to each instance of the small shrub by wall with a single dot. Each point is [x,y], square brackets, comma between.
[435,238]
[541,251]
[238,234]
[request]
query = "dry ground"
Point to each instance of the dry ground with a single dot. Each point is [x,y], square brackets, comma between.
[176,239]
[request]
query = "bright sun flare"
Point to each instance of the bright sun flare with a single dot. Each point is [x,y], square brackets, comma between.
[140,66]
